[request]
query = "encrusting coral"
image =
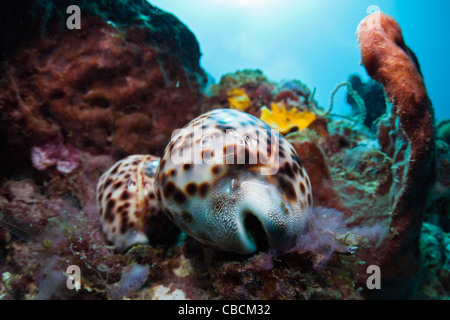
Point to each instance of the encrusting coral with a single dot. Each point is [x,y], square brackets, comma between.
[98,88]
[126,200]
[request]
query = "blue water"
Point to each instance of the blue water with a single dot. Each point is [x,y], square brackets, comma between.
[313,41]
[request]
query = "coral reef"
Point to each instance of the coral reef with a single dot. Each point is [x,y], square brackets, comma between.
[74,102]
[290,276]
[256,91]
[438,203]
[98,88]
[54,152]
[36,270]
[238,99]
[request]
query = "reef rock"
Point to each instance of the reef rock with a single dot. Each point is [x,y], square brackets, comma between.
[119,85]
[86,98]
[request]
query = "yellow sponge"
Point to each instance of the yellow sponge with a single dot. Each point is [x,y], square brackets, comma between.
[238,99]
[285,121]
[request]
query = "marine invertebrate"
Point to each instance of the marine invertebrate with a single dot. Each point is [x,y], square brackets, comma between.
[298,88]
[315,163]
[132,279]
[240,78]
[22,229]
[244,90]
[406,135]
[126,201]
[238,99]
[286,121]
[131,75]
[230,181]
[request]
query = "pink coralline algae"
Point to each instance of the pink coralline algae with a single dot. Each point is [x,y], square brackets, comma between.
[53,152]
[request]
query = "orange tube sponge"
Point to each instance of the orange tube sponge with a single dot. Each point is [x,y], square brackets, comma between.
[408,138]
